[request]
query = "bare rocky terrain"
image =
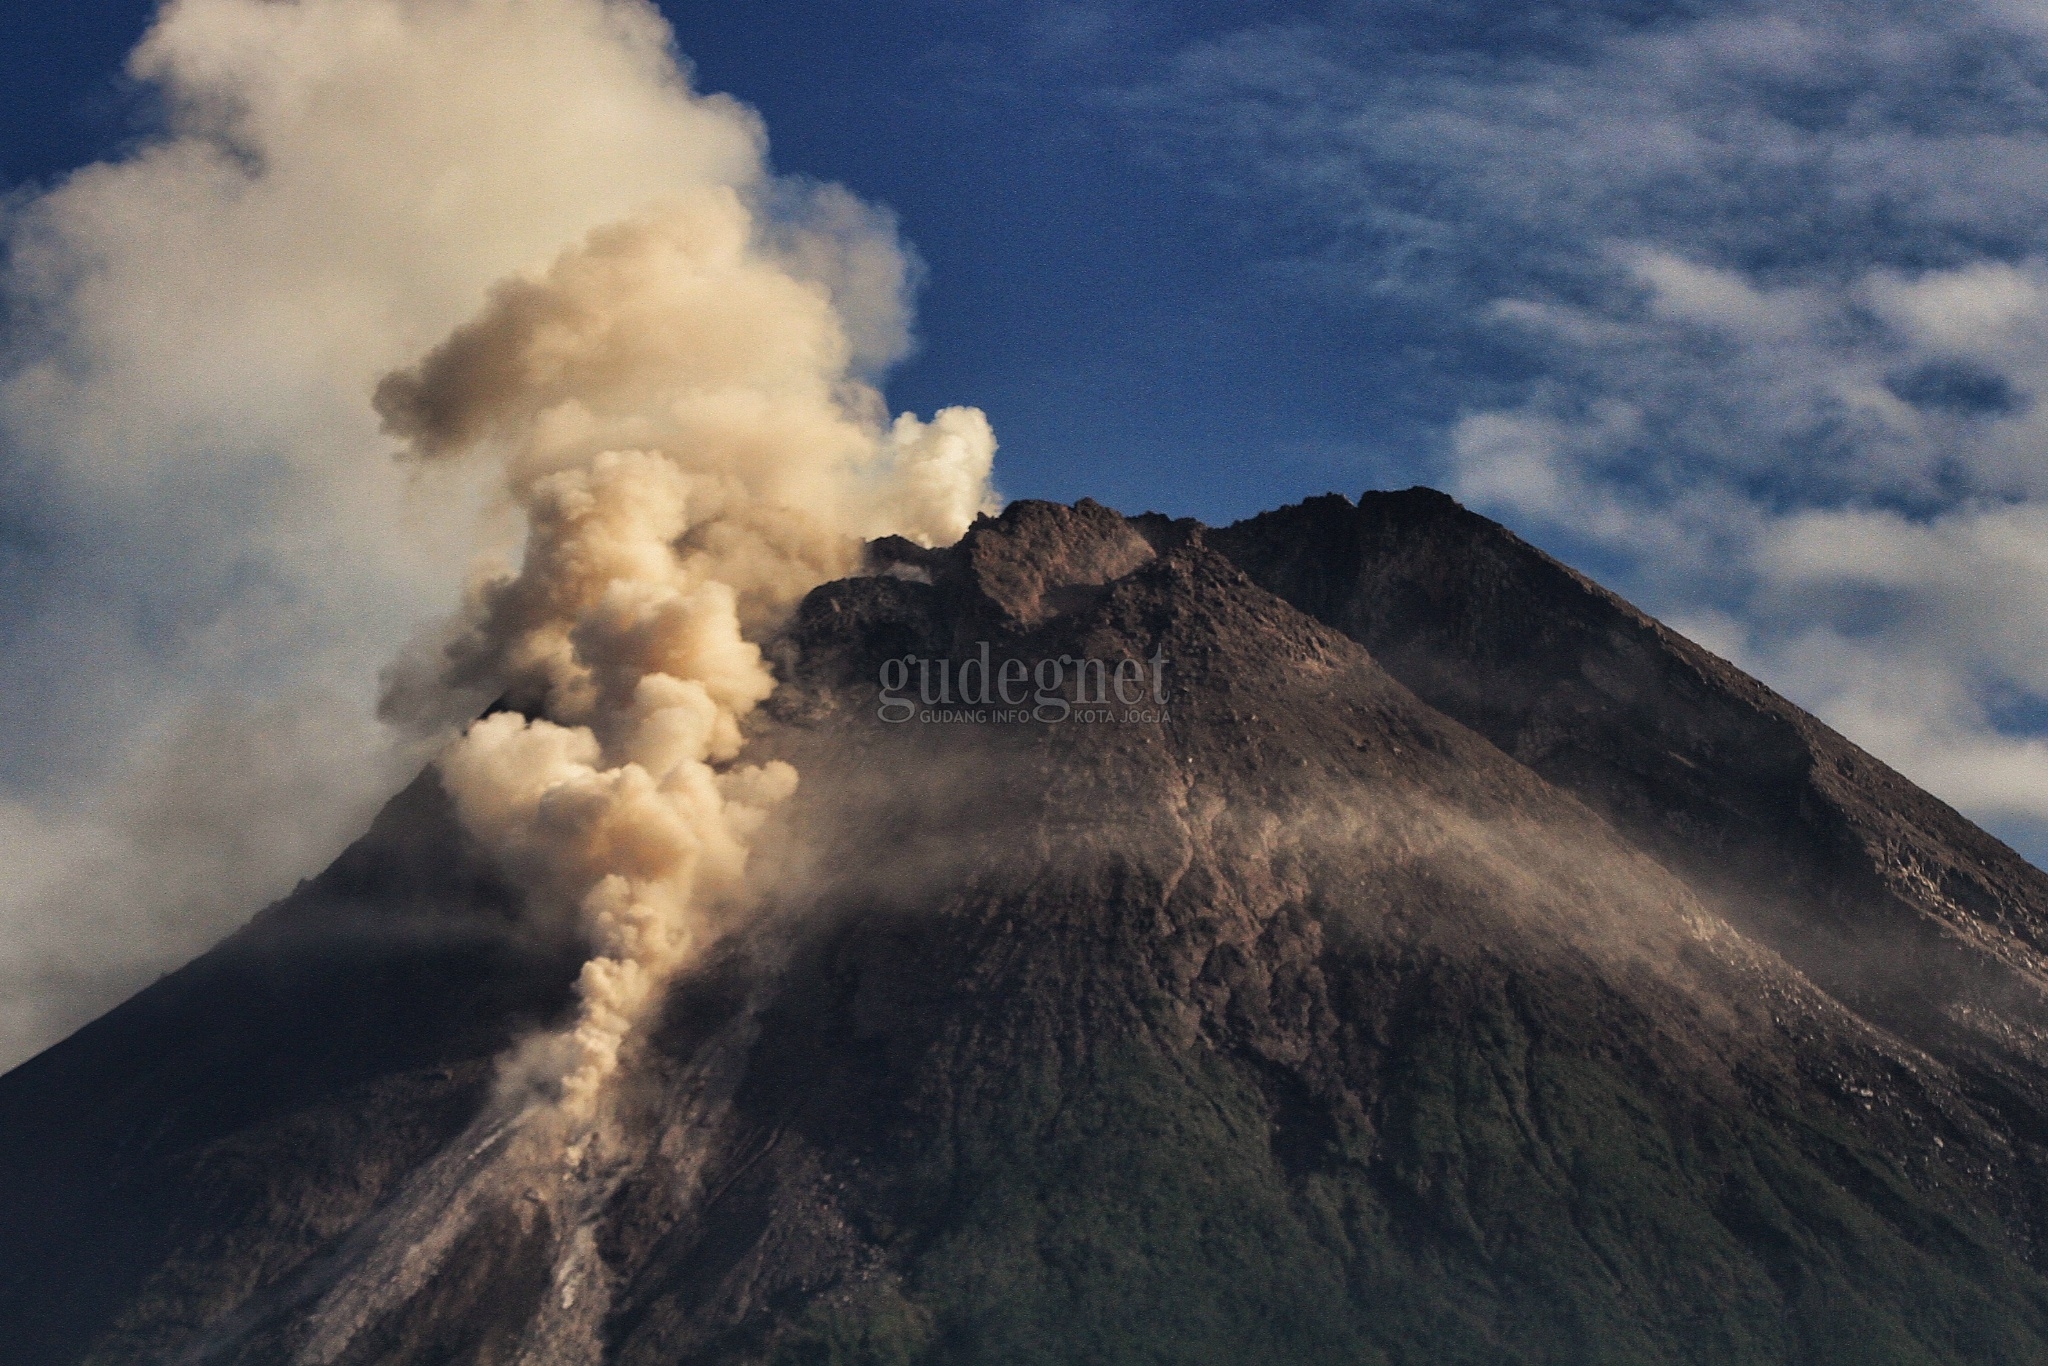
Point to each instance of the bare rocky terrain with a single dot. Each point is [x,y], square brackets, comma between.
[1458,967]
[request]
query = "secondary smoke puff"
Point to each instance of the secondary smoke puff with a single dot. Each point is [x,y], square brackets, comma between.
[678,415]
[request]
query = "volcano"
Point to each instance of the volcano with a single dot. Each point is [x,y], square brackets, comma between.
[1408,952]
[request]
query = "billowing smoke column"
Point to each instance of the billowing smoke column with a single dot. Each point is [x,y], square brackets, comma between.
[678,407]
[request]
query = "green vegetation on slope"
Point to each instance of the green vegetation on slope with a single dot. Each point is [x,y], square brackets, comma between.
[1520,1200]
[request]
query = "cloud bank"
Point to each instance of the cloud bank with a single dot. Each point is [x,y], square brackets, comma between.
[211,548]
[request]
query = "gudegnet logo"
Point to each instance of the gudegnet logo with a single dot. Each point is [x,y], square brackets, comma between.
[983,690]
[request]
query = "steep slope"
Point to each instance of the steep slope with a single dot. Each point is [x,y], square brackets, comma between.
[1883,894]
[1291,1019]
[226,1123]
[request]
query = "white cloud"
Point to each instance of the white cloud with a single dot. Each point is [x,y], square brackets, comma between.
[1987,309]
[1684,292]
[1765,287]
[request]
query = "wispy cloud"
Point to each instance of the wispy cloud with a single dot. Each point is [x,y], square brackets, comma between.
[1751,296]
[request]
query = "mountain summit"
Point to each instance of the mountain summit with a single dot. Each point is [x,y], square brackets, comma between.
[1346,936]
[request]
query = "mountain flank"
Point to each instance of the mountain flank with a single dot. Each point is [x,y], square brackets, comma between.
[1456,967]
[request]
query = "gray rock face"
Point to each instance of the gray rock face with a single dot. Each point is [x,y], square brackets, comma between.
[1456,967]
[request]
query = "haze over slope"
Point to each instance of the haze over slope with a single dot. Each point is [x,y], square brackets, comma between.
[1329,1015]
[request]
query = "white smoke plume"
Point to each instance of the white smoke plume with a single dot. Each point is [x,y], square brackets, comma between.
[677,413]
[194,330]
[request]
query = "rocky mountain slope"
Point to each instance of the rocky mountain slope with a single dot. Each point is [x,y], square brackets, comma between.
[1458,967]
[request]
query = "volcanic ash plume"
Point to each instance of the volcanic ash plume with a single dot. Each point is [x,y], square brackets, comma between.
[677,406]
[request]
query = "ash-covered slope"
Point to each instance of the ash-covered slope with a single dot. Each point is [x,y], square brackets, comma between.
[1881,893]
[1290,1021]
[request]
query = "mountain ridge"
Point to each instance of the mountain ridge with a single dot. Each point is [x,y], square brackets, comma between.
[1310,1021]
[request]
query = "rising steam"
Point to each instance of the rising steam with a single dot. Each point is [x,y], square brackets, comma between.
[678,408]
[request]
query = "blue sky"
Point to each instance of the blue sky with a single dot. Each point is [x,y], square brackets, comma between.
[1106,293]
[1743,307]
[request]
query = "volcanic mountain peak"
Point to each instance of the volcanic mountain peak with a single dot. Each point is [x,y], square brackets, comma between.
[1446,964]
[1032,560]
